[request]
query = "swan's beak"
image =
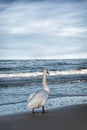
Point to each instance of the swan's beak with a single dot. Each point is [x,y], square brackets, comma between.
[47,72]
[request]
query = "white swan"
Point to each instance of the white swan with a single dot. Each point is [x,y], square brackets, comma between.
[38,99]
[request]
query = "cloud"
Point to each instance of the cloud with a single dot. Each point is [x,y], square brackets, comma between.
[53,29]
[41,18]
[72,31]
[74,56]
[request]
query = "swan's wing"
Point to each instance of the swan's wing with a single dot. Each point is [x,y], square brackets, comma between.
[37,98]
[31,96]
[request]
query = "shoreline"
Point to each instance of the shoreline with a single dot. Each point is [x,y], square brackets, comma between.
[72,117]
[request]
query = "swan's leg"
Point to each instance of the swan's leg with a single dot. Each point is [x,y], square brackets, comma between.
[33,110]
[43,110]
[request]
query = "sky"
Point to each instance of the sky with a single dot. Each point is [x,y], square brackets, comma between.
[43,29]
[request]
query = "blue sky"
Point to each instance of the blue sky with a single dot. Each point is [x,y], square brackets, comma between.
[43,29]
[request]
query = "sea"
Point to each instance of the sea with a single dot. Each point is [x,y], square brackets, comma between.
[67,81]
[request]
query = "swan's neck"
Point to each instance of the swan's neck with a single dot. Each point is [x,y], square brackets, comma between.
[45,83]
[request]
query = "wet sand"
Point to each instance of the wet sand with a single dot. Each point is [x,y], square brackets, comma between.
[66,118]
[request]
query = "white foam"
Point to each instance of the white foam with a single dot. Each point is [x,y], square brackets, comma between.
[69,72]
[34,74]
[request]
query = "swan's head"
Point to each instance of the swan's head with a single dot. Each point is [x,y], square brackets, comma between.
[46,71]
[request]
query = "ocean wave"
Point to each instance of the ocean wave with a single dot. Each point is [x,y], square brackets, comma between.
[66,101]
[69,72]
[10,103]
[52,73]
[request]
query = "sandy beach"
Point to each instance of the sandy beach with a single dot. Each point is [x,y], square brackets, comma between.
[66,118]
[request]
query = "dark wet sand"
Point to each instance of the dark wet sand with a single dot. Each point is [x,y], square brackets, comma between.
[66,118]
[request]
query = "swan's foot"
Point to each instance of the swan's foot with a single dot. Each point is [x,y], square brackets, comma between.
[43,110]
[33,111]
